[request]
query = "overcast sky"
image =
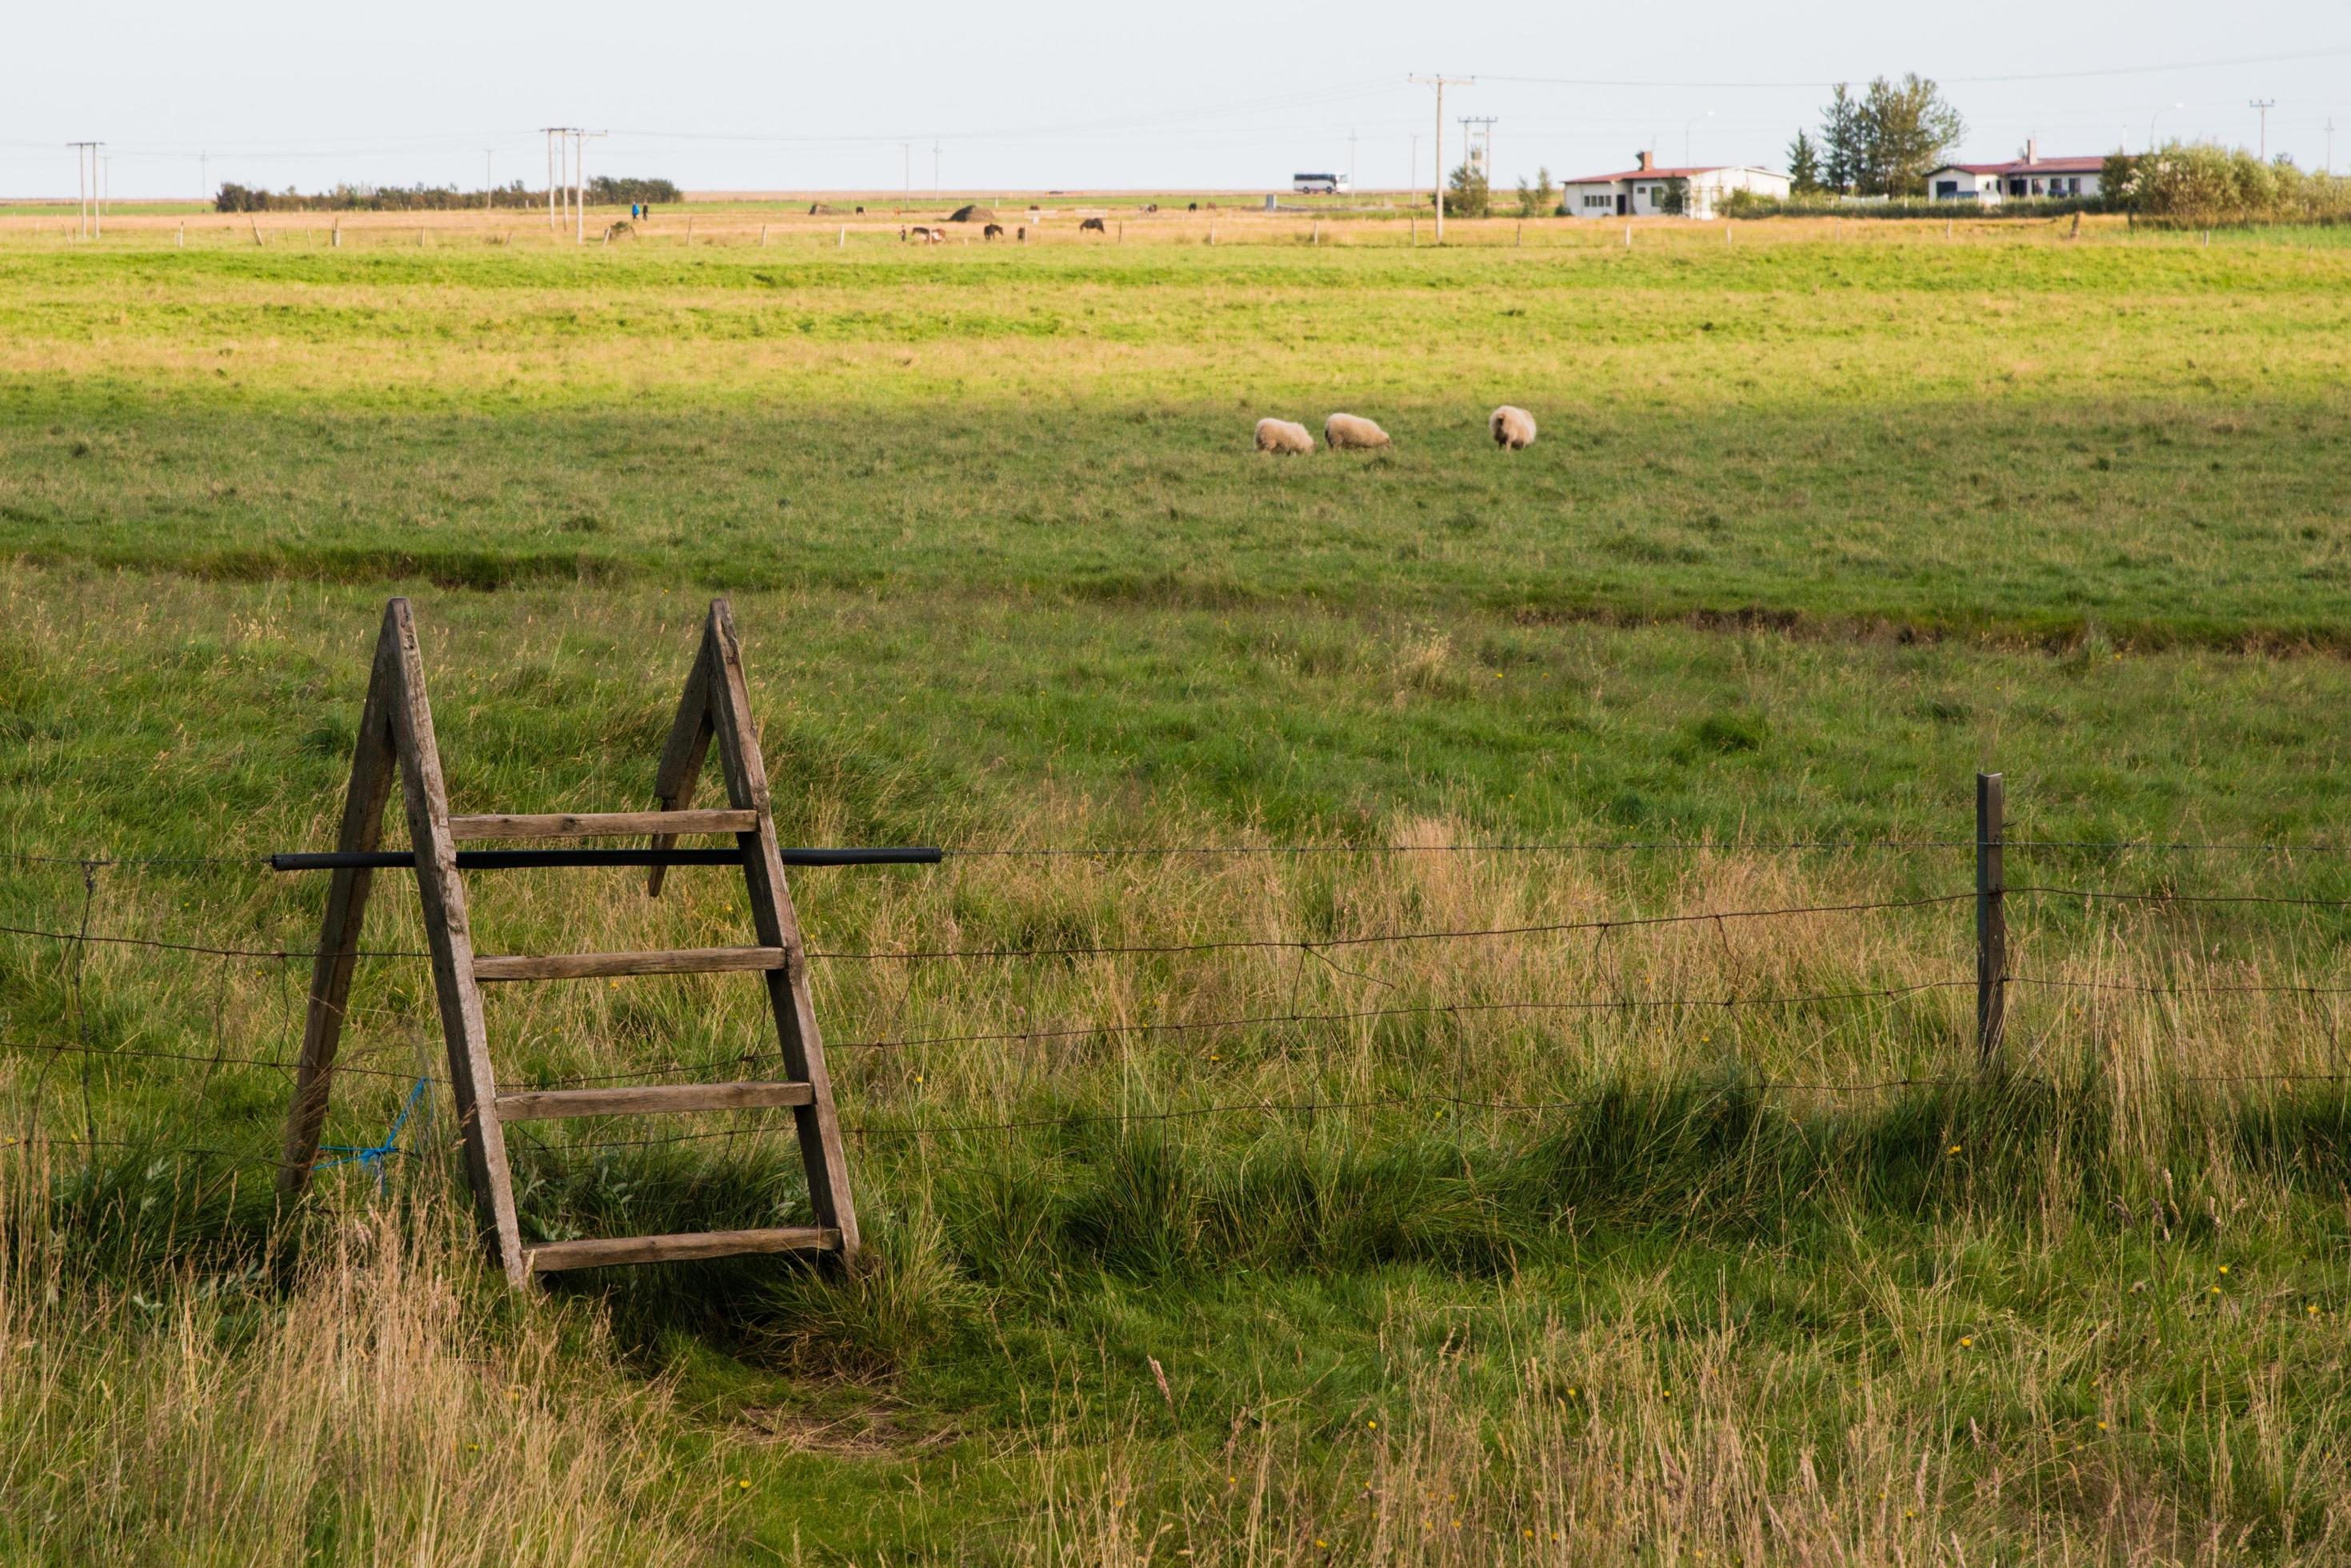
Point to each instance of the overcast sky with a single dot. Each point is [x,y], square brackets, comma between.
[1055,93]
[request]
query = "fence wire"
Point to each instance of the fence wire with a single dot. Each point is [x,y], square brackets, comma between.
[1440,1099]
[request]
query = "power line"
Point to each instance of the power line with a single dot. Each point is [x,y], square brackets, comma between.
[2297,57]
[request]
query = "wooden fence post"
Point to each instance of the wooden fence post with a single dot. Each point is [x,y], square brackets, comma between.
[1992,918]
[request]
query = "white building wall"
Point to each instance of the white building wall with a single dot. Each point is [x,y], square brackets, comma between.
[1592,201]
[1597,199]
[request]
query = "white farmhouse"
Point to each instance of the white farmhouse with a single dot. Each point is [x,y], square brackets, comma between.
[1648,190]
[2020,179]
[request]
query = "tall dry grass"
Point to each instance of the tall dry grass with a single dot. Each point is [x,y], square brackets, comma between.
[375,1405]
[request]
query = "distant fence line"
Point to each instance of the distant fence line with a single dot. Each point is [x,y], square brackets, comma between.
[1992,978]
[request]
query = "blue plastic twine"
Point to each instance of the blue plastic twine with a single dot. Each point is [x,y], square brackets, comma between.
[373,1157]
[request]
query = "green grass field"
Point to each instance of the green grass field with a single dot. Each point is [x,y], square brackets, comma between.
[1817,526]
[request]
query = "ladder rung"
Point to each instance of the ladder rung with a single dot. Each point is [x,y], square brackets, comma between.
[600,824]
[597,965]
[549,1257]
[548,1104]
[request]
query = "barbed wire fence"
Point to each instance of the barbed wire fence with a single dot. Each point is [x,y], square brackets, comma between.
[76,934]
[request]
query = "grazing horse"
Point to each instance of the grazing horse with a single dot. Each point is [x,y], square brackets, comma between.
[1096,224]
[993,231]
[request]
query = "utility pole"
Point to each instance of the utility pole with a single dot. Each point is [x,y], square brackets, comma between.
[1478,147]
[2330,145]
[1351,159]
[204,174]
[551,132]
[1412,180]
[935,167]
[2264,105]
[579,180]
[85,178]
[1437,169]
[488,154]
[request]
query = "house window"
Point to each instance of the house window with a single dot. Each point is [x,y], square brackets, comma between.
[2016,187]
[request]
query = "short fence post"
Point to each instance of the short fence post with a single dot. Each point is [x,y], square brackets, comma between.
[842,243]
[1992,918]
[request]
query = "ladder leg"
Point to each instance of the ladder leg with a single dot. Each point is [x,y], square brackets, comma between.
[681,759]
[452,943]
[777,925]
[338,934]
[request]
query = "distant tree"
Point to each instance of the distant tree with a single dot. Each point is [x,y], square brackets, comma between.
[1841,152]
[2117,181]
[1882,141]
[1466,193]
[1907,127]
[1673,196]
[605,191]
[1803,165]
[1540,199]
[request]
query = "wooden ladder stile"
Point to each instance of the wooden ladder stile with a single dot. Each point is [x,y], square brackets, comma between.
[396,736]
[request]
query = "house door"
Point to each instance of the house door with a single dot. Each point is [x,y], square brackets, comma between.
[1623,205]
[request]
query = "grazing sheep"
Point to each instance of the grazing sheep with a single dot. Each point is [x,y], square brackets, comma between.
[993,231]
[1282,435]
[1096,224]
[1512,427]
[1346,430]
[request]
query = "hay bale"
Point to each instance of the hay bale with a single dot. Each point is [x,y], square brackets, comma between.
[974,213]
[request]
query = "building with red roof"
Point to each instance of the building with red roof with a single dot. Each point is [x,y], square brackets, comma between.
[1647,190]
[2021,179]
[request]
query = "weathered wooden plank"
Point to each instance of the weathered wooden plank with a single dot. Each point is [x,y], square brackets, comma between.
[647,1099]
[681,755]
[551,1256]
[372,766]
[654,961]
[668,825]
[450,938]
[776,925]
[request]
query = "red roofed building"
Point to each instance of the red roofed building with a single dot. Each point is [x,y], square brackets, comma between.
[1648,190]
[2021,179]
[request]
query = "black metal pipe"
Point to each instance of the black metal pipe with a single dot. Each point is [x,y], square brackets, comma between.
[516,859]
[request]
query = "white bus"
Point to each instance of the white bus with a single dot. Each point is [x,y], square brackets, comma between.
[1319,184]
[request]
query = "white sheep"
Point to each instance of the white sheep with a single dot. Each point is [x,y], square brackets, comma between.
[1345,430]
[1512,427]
[1282,435]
